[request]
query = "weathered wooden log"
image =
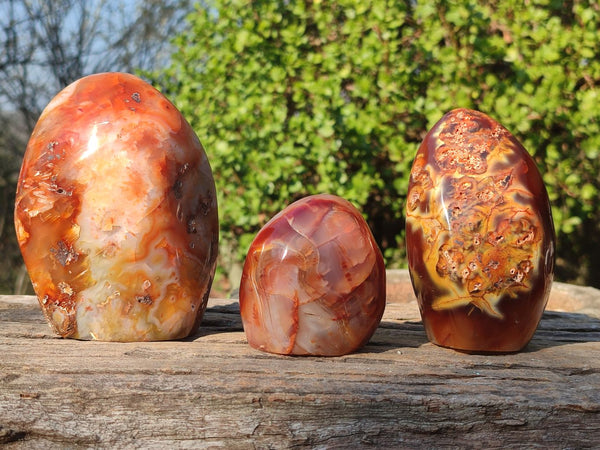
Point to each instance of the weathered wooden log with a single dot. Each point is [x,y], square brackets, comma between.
[214,390]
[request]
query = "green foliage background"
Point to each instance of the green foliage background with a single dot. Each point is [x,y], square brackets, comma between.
[292,98]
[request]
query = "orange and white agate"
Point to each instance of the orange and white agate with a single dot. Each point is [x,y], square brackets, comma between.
[314,280]
[116,213]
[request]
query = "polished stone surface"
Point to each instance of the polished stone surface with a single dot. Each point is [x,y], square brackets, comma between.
[314,281]
[116,213]
[479,233]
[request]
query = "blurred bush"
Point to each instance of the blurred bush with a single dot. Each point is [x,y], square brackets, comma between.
[13,277]
[298,97]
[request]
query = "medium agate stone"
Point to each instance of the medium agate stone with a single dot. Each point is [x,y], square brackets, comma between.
[116,213]
[479,233]
[314,281]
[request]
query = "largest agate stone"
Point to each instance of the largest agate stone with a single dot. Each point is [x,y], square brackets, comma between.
[479,233]
[116,214]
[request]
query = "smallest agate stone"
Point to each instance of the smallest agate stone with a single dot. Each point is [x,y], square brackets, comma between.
[479,236]
[314,280]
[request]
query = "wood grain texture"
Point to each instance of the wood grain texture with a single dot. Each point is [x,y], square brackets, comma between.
[213,390]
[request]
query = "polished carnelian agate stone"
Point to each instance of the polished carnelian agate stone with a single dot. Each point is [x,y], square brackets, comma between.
[116,213]
[479,234]
[313,281]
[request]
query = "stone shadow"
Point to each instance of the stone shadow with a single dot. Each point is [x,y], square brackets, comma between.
[556,328]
